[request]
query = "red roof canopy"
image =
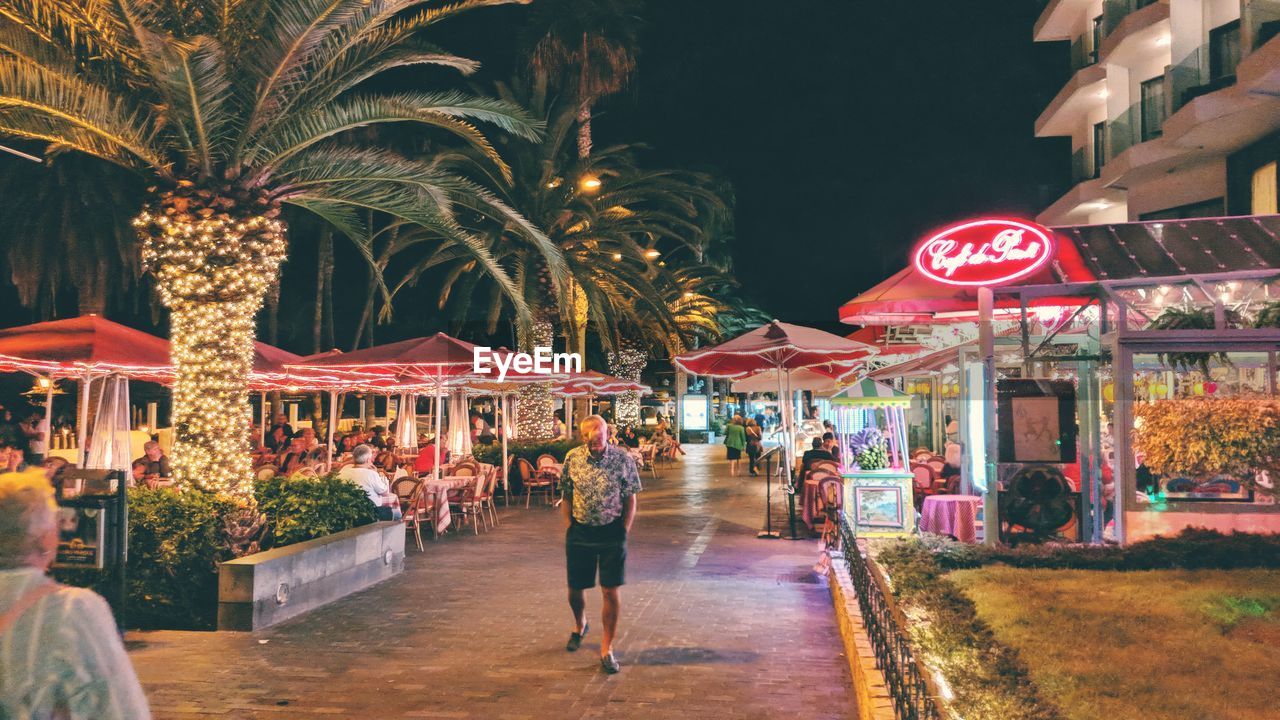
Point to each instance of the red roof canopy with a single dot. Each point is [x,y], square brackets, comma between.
[91,343]
[877,335]
[772,346]
[590,382]
[908,297]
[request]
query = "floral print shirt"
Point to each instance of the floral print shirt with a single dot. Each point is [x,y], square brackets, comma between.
[596,486]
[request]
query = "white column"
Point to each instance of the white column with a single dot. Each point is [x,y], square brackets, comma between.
[82,429]
[987,349]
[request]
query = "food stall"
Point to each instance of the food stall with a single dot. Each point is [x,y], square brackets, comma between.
[871,428]
[1135,323]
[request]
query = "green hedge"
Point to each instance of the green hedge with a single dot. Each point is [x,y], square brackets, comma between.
[175,544]
[300,509]
[492,454]
[987,678]
[1191,549]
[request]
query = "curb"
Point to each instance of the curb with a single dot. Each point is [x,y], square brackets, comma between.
[874,701]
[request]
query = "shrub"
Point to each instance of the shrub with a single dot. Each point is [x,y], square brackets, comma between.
[987,678]
[1205,436]
[301,508]
[1191,549]
[492,454]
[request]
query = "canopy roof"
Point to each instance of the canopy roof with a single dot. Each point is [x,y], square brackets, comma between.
[408,365]
[880,337]
[909,297]
[86,344]
[590,382]
[869,393]
[1086,254]
[937,361]
[777,345]
[811,379]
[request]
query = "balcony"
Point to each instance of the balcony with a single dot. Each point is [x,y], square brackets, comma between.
[1082,56]
[1082,94]
[1142,122]
[1114,12]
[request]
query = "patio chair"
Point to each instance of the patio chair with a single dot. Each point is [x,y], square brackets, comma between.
[420,509]
[487,498]
[469,505]
[831,499]
[648,459]
[544,478]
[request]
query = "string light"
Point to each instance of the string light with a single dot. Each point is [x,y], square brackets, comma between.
[627,363]
[537,420]
[213,263]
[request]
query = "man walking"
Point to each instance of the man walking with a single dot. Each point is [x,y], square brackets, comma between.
[600,482]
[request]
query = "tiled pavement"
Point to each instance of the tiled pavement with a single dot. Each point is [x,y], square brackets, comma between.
[715,624]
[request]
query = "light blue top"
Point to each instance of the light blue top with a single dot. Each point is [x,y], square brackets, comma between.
[64,653]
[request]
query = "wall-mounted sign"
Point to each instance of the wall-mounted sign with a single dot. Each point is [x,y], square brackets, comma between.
[985,252]
[693,412]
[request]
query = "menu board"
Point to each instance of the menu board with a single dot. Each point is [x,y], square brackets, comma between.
[693,412]
[80,537]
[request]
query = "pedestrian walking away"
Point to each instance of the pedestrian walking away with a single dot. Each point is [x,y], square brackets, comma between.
[600,483]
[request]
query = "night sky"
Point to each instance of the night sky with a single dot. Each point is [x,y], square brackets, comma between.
[847,130]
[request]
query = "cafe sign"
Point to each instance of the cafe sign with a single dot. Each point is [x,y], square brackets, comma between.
[985,252]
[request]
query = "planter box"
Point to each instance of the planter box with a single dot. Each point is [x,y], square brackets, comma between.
[261,590]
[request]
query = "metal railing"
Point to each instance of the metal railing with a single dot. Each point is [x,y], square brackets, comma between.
[1140,123]
[1115,11]
[909,688]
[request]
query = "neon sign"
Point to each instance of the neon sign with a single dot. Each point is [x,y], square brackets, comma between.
[985,252]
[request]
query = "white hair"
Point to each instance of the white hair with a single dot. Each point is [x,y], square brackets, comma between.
[362,454]
[27,516]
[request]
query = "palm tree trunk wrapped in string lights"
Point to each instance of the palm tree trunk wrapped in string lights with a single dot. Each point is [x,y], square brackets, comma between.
[627,363]
[231,110]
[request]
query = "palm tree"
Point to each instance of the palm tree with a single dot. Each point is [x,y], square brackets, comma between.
[66,226]
[622,230]
[591,44]
[231,109]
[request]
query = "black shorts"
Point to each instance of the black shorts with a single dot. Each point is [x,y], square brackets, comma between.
[734,453]
[588,547]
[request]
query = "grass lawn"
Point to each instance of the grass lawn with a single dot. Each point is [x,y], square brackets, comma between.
[1155,645]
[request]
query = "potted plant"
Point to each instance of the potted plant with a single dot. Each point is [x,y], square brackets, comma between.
[1206,439]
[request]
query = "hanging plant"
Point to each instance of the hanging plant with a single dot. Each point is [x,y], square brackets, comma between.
[1268,316]
[1182,318]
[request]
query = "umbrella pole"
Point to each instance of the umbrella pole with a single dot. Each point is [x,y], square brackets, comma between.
[768,532]
[48,417]
[262,412]
[82,431]
[333,422]
[506,463]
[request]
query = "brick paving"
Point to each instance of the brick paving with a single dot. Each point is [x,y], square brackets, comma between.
[715,624]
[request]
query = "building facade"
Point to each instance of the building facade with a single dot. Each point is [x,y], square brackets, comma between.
[1172,107]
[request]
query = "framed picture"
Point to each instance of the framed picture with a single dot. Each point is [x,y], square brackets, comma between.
[878,507]
[1037,421]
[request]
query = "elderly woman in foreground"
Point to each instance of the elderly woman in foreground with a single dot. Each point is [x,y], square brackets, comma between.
[60,654]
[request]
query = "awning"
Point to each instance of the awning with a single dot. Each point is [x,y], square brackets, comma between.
[869,393]
[87,344]
[938,361]
[1085,254]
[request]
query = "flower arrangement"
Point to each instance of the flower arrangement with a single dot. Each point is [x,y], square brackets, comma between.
[867,447]
[1207,436]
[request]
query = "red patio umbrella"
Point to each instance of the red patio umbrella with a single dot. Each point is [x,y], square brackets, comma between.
[89,344]
[780,347]
[420,363]
[83,348]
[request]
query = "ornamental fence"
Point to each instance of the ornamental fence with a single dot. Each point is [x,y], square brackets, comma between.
[909,688]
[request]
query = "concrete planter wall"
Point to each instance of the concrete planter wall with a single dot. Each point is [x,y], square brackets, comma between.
[261,590]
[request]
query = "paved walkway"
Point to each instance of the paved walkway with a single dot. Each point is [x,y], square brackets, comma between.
[716,624]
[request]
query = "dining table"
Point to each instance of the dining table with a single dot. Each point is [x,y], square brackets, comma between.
[439,495]
[953,515]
